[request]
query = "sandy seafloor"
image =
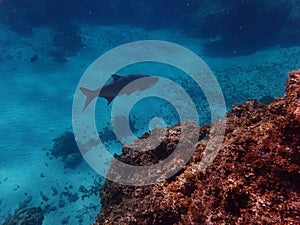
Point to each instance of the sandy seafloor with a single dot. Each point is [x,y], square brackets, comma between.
[36,107]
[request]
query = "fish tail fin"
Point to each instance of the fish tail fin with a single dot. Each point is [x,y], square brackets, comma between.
[90,95]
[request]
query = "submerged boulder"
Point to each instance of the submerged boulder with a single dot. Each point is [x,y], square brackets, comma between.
[254,178]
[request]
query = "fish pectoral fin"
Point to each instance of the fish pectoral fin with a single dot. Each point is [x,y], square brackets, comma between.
[109,99]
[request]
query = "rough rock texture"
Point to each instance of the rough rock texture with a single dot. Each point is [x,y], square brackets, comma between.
[255,178]
[30,216]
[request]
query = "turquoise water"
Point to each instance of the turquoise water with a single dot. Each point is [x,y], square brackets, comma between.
[46,46]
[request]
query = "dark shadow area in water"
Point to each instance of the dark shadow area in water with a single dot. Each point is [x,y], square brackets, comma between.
[251,26]
[231,27]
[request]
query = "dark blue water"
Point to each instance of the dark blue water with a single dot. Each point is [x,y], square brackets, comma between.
[239,27]
[47,45]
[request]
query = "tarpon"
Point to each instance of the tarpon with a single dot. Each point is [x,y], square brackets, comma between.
[114,88]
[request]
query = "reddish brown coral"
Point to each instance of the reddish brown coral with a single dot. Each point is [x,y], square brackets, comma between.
[253,180]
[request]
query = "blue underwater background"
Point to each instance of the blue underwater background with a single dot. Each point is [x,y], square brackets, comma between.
[47,45]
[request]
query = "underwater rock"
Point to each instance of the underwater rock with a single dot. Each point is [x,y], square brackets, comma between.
[65,147]
[72,197]
[65,220]
[61,203]
[68,40]
[25,203]
[66,43]
[254,179]
[49,208]
[72,160]
[57,55]
[32,216]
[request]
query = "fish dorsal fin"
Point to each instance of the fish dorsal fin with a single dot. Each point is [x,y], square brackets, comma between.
[115,77]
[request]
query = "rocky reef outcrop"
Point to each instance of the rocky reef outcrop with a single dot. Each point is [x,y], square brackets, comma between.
[32,216]
[254,179]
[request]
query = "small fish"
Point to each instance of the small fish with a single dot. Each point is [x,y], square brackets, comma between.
[112,89]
